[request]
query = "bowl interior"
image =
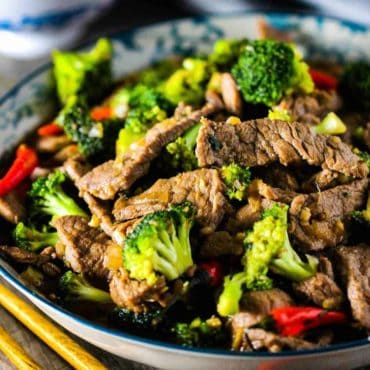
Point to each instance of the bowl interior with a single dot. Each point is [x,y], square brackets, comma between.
[32,101]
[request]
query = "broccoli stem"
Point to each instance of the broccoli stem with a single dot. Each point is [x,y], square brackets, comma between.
[228,302]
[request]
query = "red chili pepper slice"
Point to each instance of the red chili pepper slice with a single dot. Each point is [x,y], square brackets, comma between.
[214,270]
[50,129]
[323,80]
[25,162]
[295,320]
[100,113]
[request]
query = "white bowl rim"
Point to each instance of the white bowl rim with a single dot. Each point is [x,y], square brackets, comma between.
[120,334]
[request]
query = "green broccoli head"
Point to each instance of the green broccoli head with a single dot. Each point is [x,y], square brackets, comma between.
[355,85]
[331,125]
[278,113]
[268,249]
[228,301]
[49,198]
[181,152]
[146,107]
[95,139]
[236,179]
[188,83]
[199,333]
[160,244]
[84,73]
[33,240]
[74,287]
[226,52]
[267,70]
[157,73]
[363,217]
[364,156]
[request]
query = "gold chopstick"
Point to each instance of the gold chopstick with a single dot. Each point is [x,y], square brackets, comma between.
[15,353]
[61,343]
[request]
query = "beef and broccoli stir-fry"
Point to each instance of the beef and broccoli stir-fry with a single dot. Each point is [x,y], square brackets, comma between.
[219,200]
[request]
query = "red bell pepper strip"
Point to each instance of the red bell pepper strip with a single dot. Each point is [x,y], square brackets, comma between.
[50,129]
[295,320]
[25,162]
[100,113]
[214,270]
[323,81]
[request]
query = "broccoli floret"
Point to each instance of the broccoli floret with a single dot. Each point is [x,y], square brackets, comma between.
[200,333]
[268,249]
[188,83]
[228,301]
[365,156]
[363,217]
[236,179]
[146,107]
[280,114]
[142,322]
[182,150]
[331,125]
[88,74]
[74,287]
[33,240]
[267,70]
[49,198]
[95,139]
[158,73]
[226,52]
[355,85]
[160,244]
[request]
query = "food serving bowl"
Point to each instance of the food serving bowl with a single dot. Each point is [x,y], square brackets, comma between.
[32,101]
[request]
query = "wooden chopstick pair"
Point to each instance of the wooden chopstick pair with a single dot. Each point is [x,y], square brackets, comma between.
[57,340]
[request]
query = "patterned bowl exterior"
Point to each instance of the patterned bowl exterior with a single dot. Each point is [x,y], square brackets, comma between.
[32,101]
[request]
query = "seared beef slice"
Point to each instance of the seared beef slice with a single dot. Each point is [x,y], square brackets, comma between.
[84,246]
[354,267]
[316,219]
[261,142]
[203,188]
[106,180]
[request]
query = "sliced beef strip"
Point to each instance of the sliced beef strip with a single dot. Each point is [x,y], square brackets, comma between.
[44,260]
[260,339]
[311,108]
[316,220]
[262,142]
[52,144]
[11,208]
[84,246]
[221,243]
[354,268]
[230,94]
[320,181]
[278,176]
[255,306]
[106,180]
[321,290]
[135,294]
[202,187]
[260,197]
[100,209]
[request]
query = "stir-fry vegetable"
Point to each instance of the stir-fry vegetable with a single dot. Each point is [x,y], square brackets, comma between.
[26,160]
[292,320]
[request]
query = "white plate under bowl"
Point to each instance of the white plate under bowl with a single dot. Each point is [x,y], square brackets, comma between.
[31,101]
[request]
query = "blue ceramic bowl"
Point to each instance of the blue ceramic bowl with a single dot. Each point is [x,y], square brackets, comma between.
[27,104]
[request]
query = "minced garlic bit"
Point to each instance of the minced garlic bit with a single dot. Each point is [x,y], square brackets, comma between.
[233,120]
